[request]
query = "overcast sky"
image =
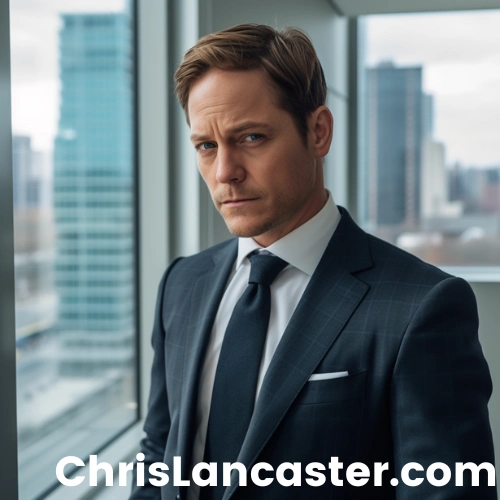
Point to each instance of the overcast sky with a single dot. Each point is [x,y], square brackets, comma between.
[34,63]
[460,53]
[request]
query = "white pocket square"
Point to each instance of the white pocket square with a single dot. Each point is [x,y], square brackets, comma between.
[327,376]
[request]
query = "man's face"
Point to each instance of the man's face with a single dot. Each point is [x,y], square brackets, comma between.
[263,179]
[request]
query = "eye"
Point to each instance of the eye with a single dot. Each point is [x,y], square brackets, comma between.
[205,145]
[253,137]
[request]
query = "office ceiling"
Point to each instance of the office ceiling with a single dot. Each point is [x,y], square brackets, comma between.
[353,8]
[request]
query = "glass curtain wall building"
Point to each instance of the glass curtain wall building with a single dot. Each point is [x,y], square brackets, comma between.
[93,181]
[394,137]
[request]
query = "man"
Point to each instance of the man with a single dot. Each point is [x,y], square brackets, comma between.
[342,348]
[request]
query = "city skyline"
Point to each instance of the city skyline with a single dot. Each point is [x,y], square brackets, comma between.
[459,54]
[447,214]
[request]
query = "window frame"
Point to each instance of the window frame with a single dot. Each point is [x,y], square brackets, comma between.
[150,231]
[8,428]
[152,214]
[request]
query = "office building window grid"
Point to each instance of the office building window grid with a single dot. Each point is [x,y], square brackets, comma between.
[75,255]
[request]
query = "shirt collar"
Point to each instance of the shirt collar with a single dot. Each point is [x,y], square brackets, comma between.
[305,245]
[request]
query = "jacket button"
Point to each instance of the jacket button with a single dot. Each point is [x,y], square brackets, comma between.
[177,497]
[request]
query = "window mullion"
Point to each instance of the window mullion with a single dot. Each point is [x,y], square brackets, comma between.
[8,426]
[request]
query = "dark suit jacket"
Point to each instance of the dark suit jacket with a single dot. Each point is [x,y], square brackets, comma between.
[406,332]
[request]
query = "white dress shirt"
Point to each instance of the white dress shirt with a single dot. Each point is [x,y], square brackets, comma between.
[302,249]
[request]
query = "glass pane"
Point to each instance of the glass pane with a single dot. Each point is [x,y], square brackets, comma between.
[73,151]
[429,156]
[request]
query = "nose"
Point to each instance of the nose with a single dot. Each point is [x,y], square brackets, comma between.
[229,165]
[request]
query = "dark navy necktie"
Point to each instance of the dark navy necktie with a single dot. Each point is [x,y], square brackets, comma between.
[237,371]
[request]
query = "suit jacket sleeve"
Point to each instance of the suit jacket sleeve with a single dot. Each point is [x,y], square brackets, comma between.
[440,391]
[157,423]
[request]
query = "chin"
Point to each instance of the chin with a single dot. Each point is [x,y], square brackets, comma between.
[248,230]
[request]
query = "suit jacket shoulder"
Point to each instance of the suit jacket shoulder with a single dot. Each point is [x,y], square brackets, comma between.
[189,268]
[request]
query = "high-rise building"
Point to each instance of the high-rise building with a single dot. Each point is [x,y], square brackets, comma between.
[435,200]
[427,116]
[21,168]
[93,193]
[394,139]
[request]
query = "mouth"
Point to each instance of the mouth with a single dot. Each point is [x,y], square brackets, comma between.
[238,202]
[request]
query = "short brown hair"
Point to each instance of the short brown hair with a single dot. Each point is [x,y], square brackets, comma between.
[287,58]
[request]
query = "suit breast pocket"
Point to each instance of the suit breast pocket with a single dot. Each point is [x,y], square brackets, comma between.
[333,390]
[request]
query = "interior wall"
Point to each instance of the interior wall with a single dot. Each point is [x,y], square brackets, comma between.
[488,301]
[329,35]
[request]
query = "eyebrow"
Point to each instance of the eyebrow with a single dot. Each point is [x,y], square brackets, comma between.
[240,128]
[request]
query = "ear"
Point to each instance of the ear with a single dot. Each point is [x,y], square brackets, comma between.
[320,123]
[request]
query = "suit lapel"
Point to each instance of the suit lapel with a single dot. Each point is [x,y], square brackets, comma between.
[328,302]
[207,294]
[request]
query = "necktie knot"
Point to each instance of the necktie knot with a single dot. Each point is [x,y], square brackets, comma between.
[265,268]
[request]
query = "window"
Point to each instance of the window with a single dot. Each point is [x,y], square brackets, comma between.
[429,163]
[74,223]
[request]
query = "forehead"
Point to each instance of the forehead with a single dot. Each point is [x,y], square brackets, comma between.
[226,97]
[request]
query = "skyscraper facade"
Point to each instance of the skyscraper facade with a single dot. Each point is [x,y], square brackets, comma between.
[394,141]
[21,167]
[93,193]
